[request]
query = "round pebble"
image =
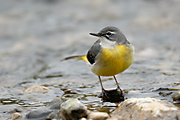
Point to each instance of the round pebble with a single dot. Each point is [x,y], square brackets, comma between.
[16,116]
[37,89]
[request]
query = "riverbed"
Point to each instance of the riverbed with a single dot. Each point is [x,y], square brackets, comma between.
[35,35]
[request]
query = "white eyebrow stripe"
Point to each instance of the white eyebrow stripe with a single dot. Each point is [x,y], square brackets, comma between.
[111,32]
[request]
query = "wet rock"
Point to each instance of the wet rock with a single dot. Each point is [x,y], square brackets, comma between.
[16,116]
[38,114]
[47,113]
[176,97]
[146,109]
[54,115]
[167,89]
[73,109]
[15,110]
[56,103]
[112,96]
[164,94]
[98,116]
[116,117]
[37,89]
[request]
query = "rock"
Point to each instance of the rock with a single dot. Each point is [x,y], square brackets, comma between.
[146,109]
[56,103]
[38,114]
[176,97]
[15,110]
[112,96]
[73,109]
[16,116]
[47,113]
[164,94]
[37,89]
[167,89]
[117,117]
[98,116]
[54,115]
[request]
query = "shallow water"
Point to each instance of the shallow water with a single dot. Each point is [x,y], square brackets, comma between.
[36,35]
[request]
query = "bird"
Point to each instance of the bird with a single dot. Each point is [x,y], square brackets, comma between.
[110,55]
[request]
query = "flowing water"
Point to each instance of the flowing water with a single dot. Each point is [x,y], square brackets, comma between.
[35,35]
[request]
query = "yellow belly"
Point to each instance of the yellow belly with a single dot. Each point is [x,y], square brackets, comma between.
[112,61]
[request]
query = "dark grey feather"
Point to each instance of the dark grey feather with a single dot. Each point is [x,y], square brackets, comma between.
[93,52]
[119,37]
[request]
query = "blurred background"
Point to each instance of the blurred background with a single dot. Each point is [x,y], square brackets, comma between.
[35,35]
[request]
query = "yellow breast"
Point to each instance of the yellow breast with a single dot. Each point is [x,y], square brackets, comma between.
[112,61]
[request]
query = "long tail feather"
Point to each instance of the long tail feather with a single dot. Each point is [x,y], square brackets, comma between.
[80,57]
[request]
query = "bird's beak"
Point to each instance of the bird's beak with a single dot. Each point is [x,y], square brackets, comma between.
[95,34]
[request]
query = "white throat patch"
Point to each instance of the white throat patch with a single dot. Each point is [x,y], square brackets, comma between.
[107,43]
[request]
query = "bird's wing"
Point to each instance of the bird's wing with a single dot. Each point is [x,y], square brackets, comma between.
[93,52]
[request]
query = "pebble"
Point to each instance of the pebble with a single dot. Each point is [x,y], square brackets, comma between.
[176,96]
[16,116]
[51,111]
[54,115]
[55,103]
[38,114]
[98,116]
[112,96]
[15,110]
[37,89]
[116,117]
[146,109]
[73,109]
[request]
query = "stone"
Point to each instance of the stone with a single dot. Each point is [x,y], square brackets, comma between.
[73,109]
[116,117]
[53,115]
[37,89]
[55,103]
[112,96]
[16,116]
[98,116]
[38,114]
[18,110]
[146,109]
[176,97]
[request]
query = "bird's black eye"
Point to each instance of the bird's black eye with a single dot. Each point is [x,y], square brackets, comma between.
[108,33]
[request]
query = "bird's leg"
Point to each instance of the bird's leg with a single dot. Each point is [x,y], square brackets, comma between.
[117,85]
[104,93]
[101,83]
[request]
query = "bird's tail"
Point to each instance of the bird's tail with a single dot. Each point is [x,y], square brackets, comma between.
[80,57]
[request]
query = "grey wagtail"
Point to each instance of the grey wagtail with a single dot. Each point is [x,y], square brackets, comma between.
[110,55]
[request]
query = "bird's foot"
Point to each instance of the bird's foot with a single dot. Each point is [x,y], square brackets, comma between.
[112,95]
[105,94]
[120,90]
